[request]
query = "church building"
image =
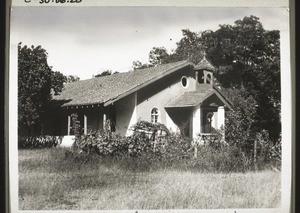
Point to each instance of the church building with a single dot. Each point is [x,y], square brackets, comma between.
[180,95]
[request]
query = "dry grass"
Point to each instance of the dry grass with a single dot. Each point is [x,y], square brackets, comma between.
[48,181]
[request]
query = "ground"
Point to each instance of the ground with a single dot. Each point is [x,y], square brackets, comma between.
[49,180]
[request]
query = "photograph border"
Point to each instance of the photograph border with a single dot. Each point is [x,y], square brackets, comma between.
[287,87]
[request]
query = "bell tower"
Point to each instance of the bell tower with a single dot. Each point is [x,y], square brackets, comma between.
[204,71]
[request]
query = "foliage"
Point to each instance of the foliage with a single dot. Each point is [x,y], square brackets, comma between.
[224,158]
[176,148]
[103,143]
[72,78]
[58,80]
[104,73]
[153,146]
[158,55]
[136,65]
[269,153]
[150,128]
[43,141]
[248,57]
[75,125]
[239,122]
[189,47]
[241,131]
[35,81]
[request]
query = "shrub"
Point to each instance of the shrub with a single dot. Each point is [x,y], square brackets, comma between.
[151,129]
[176,148]
[223,158]
[268,152]
[42,141]
[137,144]
[147,137]
[152,146]
[103,143]
[75,127]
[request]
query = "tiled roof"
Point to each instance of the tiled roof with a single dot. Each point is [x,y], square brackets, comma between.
[204,64]
[190,99]
[108,88]
[194,98]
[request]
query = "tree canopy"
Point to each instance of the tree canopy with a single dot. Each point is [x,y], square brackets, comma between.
[72,78]
[158,55]
[105,72]
[139,65]
[36,81]
[248,57]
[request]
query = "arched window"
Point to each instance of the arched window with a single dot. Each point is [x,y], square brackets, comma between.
[208,122]
[154,115]
[208,78]
[209,117]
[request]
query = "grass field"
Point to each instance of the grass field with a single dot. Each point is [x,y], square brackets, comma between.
[48,180]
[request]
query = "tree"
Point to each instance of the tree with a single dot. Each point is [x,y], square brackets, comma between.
[72,78]
[35,81]
[247,56]
[57,81]
[189,47]
[240,121]
[104,73]
[138,65]
[158,55]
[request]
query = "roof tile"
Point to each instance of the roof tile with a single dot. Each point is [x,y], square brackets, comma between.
[190,99]
[102,89]
[204,64]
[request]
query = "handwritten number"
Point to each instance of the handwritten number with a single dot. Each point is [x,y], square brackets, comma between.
[56,1]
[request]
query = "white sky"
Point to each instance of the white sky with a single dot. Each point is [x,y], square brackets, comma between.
[85,41]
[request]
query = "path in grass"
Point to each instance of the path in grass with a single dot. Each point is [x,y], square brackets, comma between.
[46,181]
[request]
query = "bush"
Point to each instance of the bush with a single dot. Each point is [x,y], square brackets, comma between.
[268,152]
[176,148]
[152,146]
[103,143]
[224,158]
[147,137]
[42,141]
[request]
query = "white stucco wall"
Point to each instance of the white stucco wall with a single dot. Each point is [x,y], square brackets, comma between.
[126,115]
[171,88]
[214,122]
[221,117]
[170,124]
[196,121]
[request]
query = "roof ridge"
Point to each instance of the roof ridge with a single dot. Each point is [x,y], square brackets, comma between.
[128,72]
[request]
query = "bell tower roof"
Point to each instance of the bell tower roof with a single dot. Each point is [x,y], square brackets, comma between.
[204,64]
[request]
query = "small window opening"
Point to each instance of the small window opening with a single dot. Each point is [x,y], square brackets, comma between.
[154,115]
[200,77]
[208,78]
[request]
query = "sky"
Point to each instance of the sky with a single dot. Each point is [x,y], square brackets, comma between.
[85,41]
